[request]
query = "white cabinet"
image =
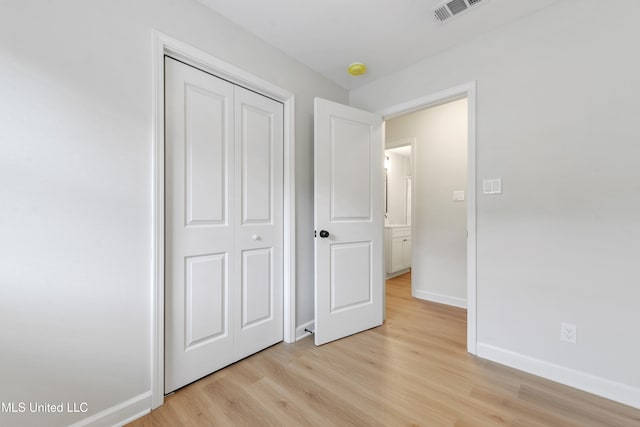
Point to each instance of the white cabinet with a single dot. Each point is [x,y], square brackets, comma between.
[397,249]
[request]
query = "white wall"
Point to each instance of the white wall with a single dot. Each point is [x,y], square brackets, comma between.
[557,119]
[75,190]
[439,227]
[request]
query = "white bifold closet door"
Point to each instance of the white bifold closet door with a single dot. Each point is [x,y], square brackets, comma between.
[224,223]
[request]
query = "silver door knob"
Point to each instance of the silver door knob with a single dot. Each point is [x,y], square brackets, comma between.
[255,237]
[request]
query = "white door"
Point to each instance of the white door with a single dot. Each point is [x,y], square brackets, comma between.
[349,269]
[223,216]
[259,227]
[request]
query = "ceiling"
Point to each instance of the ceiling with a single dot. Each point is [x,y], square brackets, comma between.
[387,35]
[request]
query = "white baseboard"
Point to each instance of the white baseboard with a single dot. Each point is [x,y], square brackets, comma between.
[603,387]
[397,273]
[439,298]
[120,414]
[300,330]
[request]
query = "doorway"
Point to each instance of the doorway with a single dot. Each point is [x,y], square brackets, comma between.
[398,170]
[434,243]
[461,193]
[360,137]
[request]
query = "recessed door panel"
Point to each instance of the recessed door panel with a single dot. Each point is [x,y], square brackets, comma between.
[257,286]
[206,299]
[205,169]
[257,165]
[350,170]
[350,275]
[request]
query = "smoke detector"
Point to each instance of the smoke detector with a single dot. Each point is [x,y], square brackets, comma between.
[446,10]
[357,69]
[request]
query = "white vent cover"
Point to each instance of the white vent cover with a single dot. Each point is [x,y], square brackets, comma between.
[450,8]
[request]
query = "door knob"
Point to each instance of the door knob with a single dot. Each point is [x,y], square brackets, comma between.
[255,237]
[324,234]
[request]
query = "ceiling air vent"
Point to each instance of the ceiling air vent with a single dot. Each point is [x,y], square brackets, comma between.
[450,8]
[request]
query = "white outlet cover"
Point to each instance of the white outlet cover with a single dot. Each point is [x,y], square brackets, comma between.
[492,186]
[458,196]
[568,332]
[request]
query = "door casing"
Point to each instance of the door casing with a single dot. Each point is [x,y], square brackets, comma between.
[166,45]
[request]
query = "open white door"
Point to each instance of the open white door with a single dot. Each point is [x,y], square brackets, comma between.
[349,267]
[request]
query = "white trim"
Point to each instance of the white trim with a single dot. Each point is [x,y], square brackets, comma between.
[289,249]
[120,414]
[157,225]
[397,273]
[400,143]
[164,44]
[467,90]
[300,330]
[442,97]
[471,221]
[603,387]
[439,298]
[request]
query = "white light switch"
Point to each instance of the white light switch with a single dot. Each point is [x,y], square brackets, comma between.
[492,186]
[458,196]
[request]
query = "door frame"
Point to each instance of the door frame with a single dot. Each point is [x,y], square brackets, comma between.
[163,44]
[405,142]
[467,90]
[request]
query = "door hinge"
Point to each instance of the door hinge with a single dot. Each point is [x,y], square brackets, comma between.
[315,233]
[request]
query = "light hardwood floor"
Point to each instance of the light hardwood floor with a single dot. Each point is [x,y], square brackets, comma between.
[412,371]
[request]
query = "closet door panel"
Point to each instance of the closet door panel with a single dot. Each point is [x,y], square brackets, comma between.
[199,235]
[259,198]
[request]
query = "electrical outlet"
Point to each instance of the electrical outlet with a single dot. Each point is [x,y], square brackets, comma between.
[568,332]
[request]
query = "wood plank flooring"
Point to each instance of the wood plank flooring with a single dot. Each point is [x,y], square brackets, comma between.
[412,371]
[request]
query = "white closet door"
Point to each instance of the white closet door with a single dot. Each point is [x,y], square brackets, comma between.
[223,216]
[199,224]
[259,231]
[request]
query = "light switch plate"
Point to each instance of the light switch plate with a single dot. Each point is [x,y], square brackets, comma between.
[492,186]
[458,196]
